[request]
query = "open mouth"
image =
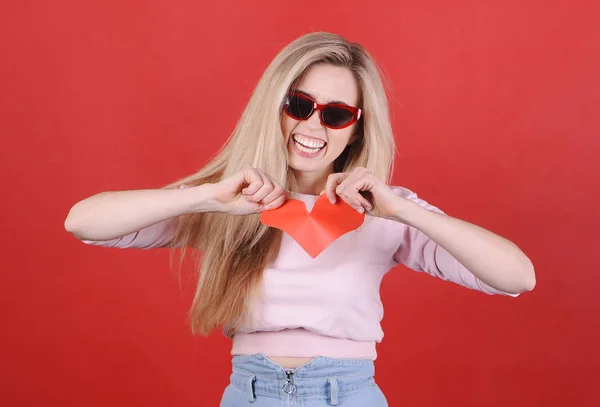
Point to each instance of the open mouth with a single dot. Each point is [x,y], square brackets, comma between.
[308,145]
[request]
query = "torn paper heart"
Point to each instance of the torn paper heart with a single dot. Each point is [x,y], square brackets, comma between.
[316,230]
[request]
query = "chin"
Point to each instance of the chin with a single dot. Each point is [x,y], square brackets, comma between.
[294,165]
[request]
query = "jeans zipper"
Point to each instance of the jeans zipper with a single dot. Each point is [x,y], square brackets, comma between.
[289,387]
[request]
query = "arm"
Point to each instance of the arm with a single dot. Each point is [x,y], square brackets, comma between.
[433,242]
[137,218]
[148,218]
[460,251]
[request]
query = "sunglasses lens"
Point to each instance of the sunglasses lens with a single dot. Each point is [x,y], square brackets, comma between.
[337,116]
[298,107]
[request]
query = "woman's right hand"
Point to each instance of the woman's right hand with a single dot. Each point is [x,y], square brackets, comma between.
[247,192]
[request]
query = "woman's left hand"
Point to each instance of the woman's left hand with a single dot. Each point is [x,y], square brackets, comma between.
[364,192]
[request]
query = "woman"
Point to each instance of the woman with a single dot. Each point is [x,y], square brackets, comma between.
[303,329]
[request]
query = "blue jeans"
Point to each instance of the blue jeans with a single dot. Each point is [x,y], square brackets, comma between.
[256,381]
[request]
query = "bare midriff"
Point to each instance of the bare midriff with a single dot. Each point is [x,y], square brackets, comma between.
[289,362]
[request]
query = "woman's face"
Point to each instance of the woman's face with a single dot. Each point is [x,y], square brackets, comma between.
[313,147]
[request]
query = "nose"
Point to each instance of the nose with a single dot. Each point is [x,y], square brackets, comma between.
[314,121]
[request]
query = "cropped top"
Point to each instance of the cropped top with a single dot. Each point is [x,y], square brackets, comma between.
[329,305]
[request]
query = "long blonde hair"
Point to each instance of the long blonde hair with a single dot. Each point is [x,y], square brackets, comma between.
[235,249]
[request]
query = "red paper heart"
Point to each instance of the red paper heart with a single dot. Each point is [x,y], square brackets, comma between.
[316,230]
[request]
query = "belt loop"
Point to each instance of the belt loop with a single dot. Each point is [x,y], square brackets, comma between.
[250,389]
[334,390]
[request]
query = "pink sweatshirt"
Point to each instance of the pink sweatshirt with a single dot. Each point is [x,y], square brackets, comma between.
[329,305]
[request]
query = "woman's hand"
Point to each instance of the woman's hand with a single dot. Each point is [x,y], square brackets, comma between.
[364,192]
[247,192]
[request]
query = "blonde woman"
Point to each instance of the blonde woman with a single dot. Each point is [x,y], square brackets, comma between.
[304,330]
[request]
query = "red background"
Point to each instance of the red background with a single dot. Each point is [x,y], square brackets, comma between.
[496,116]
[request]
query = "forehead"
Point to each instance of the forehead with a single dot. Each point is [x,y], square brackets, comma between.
[327,83]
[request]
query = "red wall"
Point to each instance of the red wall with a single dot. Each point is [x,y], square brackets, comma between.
[496,115]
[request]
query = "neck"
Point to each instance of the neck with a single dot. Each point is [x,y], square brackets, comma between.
[311,183]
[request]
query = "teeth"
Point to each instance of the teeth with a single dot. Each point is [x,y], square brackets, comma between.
[306,149]
[308,142]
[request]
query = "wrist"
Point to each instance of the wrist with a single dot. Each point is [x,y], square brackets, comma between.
[200,199]
[406,211]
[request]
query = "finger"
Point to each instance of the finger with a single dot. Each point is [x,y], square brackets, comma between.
[276,203]
[332,184]
[277,193]
[350,193]
[349,179]
[353,194]
[348,198]
[368,195]
[362,201]
[357,208]
[264,190]
[253,180]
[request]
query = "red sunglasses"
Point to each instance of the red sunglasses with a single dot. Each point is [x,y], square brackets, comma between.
[336,116]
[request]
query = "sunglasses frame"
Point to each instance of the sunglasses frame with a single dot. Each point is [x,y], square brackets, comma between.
[356,112]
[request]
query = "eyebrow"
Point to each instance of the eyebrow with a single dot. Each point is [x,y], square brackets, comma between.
[314,98]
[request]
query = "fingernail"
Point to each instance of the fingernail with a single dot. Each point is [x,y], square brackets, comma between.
[332,200]
[361,210]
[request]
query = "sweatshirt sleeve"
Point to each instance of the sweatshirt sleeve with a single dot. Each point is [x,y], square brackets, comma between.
[158,235]
[420,253]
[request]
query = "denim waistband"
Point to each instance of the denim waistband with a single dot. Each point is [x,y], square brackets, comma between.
[321,377]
